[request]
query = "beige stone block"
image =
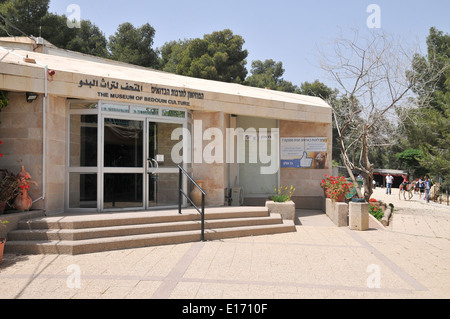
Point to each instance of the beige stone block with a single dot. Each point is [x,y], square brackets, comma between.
[358,216]
[340,214]
[286,209]
[329,207]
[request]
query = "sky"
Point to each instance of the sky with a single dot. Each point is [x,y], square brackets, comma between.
[290,31]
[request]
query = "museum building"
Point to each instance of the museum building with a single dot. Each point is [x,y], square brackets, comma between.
[102,136]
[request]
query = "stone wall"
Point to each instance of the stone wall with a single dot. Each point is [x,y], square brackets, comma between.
[309,194]
[21,134]
[215,175]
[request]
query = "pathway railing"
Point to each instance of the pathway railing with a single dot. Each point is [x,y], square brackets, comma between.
[181,192]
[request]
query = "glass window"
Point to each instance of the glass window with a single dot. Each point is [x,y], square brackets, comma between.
[83,140]
[116,108]
[82,190]
[173,113]
[123,143]
[145,110]
[123,190]
[87,106]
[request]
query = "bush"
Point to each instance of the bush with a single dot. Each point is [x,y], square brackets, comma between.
[377,212]
[284,194]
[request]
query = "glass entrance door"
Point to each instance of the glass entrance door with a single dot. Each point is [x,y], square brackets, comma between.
[162,171]
[138,170]
[123,168]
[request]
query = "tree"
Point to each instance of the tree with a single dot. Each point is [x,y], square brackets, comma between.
[89,40]
[218,56]
[134,45]
[268,74]
[411,158]
[318,89]
[31,18]
[427,126]
[373,76]
[23,17]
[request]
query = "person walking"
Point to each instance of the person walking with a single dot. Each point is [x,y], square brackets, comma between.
[421,187]
[389,181]
[428,185]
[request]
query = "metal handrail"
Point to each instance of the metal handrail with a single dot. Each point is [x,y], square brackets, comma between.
[201,210]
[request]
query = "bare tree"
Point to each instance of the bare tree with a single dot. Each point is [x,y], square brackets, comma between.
[373,77]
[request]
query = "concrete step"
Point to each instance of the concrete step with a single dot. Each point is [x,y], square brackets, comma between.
[88,233]
[115,231]
[121,219]
[85,246]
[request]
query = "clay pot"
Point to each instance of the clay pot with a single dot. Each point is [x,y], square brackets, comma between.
[196,194]
[340,198]
[2,247]
[23,200]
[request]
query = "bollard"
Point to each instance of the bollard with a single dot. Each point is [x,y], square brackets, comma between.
[358,216]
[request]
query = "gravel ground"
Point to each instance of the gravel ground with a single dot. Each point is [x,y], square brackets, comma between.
[416,216]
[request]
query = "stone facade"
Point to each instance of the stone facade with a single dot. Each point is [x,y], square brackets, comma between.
[36,133]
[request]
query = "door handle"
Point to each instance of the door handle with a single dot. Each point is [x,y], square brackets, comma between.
[157,165]
[150,164]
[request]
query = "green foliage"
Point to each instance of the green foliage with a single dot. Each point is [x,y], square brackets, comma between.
[4,101]
[31,18]
[25,15]
[134,45]
[318,89]
[218,56]
[428,126]
[377,212]
[283,194]
[268,74]
[89,40]
[411,158]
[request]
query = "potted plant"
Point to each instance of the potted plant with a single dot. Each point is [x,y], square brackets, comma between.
[23,200]
[336,187]
[9,188]
[281,202]
[2,241]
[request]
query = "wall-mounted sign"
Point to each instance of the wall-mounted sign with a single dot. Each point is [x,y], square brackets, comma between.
[304,152]
[136,92]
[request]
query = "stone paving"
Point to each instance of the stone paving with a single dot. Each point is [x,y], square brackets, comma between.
[320,260]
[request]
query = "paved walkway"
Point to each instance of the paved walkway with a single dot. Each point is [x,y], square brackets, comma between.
[318,261]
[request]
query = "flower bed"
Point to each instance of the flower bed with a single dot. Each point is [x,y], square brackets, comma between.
[375,209]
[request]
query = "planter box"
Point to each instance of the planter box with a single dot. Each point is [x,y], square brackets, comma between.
[337,212]
[286,209]
[359,216]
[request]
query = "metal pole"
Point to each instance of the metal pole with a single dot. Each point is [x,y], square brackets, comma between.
[180,182]
[203,217]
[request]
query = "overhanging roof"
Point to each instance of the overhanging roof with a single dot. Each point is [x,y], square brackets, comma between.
[71,68]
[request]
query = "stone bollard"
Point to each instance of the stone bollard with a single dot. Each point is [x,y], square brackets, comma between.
[340,214]
[329,208]
[337,212]
[286,209]
[358,216]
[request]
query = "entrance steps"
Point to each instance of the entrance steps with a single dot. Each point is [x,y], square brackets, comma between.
[82,234]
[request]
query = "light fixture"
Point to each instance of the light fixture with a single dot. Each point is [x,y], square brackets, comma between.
[31,97]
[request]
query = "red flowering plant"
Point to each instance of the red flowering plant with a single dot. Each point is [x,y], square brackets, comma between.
[336,186]
[375,210]
[24,179]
